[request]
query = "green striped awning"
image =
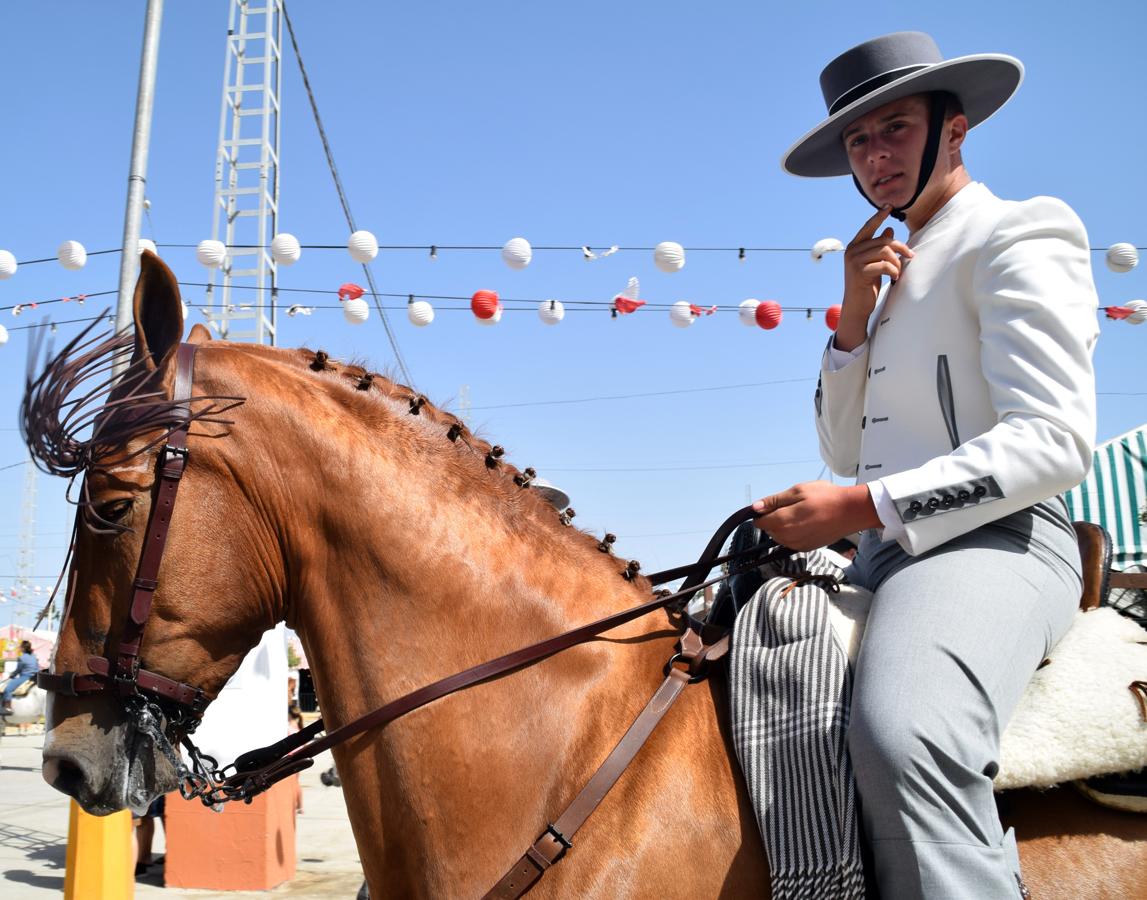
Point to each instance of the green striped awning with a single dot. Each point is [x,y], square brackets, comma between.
[1114,495]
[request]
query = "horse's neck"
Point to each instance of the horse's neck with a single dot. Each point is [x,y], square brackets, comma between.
[430,586]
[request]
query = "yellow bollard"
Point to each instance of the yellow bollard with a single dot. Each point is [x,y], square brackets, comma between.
[99,856]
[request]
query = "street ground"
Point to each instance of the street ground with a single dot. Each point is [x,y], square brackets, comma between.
[34,828]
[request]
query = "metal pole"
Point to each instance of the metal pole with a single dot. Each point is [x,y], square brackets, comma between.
[137,176]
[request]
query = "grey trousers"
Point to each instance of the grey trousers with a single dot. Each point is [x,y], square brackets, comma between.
[953,638]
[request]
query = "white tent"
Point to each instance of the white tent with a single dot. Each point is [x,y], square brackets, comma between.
[1114,495]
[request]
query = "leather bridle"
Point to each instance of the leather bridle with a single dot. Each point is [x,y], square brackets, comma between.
[157,705]
[153,702]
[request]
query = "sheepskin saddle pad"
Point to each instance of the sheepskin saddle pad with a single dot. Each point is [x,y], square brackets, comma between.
[1084,712]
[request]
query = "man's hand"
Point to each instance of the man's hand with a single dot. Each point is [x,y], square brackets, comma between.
[867,259]
[815,513]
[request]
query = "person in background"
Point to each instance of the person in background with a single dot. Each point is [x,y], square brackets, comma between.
[26,668]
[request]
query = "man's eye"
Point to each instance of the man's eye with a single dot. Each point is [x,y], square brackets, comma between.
[114,510]
[856,141]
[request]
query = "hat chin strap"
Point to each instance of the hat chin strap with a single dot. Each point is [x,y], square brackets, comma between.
[927,161]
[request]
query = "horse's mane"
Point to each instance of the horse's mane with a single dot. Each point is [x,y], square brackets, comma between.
[522,508]
[79,417]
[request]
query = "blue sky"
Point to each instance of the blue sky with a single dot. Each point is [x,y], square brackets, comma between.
[598,123]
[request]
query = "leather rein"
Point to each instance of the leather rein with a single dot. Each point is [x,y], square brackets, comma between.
[156,704]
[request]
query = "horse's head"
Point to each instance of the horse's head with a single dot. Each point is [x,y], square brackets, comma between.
[134,666]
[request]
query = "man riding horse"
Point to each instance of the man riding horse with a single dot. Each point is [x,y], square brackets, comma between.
[958,389]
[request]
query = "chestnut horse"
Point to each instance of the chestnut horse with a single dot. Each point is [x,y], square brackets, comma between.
[400,557]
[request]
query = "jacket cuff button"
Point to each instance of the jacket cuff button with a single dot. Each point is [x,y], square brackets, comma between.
[915,506]
[979,490]
[933,503]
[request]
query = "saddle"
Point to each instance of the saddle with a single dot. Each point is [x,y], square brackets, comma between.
[25,689]
[1126,791]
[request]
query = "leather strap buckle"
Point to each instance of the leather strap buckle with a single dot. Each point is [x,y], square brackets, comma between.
[559,837]
[696,667]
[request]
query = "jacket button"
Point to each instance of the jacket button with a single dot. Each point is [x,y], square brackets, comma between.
[948,500]
[863,421]
[915,506]
[963,496]
[933,502]
[979,490]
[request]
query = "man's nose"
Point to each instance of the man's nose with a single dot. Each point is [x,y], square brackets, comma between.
[877,148]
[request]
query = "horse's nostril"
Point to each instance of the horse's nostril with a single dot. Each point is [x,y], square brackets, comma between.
[64,775]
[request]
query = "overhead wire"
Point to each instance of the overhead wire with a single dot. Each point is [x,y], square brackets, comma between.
[342,194]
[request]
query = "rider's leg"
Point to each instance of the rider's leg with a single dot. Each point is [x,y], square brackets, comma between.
[952,639]
[11,686]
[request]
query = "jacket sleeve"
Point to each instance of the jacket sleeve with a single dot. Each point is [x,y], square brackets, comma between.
[1035,299]
[839,402]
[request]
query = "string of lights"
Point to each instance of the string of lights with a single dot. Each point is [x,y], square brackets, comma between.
[434,249]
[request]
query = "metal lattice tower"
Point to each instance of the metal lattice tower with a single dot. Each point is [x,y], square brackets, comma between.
[243,306]
[26,560]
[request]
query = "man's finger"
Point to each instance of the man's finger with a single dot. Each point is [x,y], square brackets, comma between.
[868,229]
[773,502]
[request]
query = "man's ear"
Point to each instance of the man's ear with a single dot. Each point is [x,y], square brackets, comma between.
[157,311]
[957,131]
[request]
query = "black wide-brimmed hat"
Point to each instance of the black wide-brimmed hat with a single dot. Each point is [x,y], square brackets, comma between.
[886,69]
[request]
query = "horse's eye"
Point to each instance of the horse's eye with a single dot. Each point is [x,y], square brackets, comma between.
[114,510]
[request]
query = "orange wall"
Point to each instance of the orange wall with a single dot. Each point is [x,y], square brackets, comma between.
[244,847]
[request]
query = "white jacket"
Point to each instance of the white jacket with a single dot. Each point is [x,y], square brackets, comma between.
[974,396]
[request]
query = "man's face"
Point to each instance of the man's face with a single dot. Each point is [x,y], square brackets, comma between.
[885,147]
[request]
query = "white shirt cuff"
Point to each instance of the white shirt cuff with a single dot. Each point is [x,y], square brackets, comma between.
[886,511]
[835,359]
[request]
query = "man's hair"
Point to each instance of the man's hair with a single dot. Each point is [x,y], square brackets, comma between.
[26,646]
[952,104]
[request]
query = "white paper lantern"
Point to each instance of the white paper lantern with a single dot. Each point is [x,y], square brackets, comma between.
[669,256]
[420,313]
[823,246]
[363,246]
[1140,315]
[356,311]
[285,249]
[3,335]
[493,320]
[680,314]
[146,244]
[517,253]
[186,311]
[551,311]
[1122,257]
[211,253]
[8,264]
[747,313]
[72,255]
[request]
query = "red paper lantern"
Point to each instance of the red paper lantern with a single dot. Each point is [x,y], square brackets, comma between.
[768,314]
[484,304]
[832,317]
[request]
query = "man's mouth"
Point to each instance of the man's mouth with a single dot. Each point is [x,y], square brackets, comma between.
[886,180]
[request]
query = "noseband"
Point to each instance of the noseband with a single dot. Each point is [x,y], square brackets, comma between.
[148,698]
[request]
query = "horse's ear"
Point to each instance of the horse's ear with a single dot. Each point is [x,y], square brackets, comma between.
[199,334]
[157,310]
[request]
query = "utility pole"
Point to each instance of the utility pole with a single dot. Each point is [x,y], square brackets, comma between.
[137,174]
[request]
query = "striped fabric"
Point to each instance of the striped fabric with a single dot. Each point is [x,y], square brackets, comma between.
[790,689]
[1114,495]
